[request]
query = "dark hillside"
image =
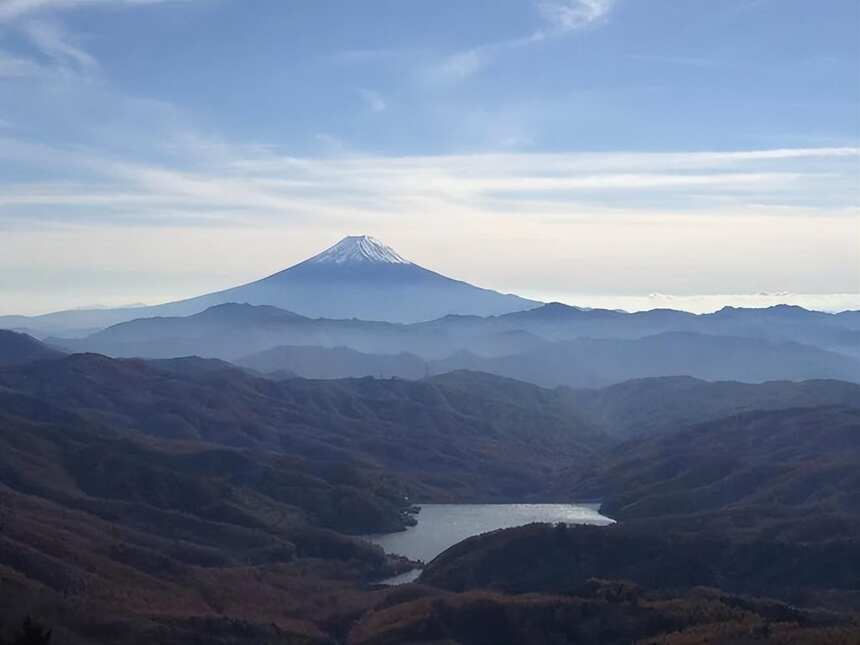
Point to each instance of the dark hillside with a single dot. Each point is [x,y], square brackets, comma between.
[446,443]
[761,473]
[16,349]
[601,612]
[650,406]
[560,559]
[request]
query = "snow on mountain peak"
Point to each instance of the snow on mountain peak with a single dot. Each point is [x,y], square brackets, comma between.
[359,248]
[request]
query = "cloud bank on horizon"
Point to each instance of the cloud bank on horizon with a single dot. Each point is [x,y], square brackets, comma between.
[556,148]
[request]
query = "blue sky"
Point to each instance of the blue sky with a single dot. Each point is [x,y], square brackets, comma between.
[570,149]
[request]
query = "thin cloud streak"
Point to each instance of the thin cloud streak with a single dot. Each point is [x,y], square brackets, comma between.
[253,183]
[54,43]
[50,38]
[561,17]
[570,15]
[14,9]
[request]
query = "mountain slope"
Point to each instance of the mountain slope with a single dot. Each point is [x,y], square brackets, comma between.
[118,531]
[598,612]
[545,558]
[18,348]
[776,473]
[651,406]
[654,406]
[444,442]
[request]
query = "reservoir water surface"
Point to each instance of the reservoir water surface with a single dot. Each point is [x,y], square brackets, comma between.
[443,525]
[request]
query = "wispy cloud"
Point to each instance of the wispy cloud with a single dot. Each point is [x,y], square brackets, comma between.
[14,9]
[570,15]
[463,64]
[59,53]
[241,183]
[560,17]
[59,46]
[11,9]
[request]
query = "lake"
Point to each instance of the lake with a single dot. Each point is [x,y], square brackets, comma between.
[443,525]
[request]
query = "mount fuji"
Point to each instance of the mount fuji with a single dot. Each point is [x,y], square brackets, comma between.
[359,277]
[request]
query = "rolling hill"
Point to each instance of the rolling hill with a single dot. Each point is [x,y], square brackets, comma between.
[774,473]
[442,442]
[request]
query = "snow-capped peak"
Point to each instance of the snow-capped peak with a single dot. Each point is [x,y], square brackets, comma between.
[359,248]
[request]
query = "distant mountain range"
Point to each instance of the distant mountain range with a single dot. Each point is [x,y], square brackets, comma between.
[549,345]
[361,309]
[359,277]
[589,362]
[287,361]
